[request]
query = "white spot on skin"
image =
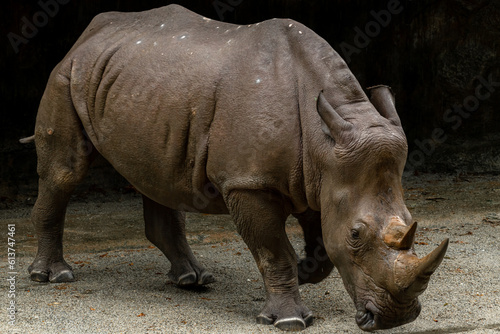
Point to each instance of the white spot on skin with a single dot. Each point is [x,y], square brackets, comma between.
[216,27]
[155,43]
[229,42]
[226,31]
[238,27]
[290,25]
[300,32]
[138,42]
[207,19]
[162,25]
[257,81]
[183,36]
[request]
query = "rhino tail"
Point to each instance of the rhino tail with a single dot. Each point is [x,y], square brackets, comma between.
[27,140]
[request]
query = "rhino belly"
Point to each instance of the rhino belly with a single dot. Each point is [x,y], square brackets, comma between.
[155,133]
[168,174]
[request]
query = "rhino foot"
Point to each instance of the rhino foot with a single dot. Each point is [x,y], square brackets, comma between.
[195,277]
[292,318]
[56,272]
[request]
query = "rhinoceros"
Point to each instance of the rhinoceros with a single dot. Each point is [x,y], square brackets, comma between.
[258,121]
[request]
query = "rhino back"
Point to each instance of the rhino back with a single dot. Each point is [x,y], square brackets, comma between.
[143,86]
[176,101]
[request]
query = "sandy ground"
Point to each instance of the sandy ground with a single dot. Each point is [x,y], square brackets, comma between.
[121,285]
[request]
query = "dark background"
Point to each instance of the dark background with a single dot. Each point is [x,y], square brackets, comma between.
[432,53]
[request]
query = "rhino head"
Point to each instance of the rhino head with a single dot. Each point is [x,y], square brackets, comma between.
[367,229]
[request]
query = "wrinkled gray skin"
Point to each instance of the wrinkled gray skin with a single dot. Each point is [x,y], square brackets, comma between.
[205,116]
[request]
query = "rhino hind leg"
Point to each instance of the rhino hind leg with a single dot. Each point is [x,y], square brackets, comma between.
[316,266]
[64,155]
[260,219]
[48,217]
[165,228]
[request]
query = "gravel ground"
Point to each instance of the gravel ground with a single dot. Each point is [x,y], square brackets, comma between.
[121,285]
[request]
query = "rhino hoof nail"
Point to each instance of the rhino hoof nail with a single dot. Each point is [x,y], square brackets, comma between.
[62,276]
[187,279]
[291,324]
[309,319]
[39,276]
[264,320]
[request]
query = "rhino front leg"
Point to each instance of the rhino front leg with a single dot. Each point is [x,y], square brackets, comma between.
[316,266]
[260,219]
[165,228]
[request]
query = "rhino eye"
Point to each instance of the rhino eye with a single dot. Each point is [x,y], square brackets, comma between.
[356,236]
[355,242]
[357,231]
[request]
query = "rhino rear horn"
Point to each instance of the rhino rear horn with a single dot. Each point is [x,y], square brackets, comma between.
[383,100]
[398,235]
[332,123]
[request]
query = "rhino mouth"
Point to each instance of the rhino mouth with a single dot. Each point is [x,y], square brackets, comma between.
[369,318]
[366,320]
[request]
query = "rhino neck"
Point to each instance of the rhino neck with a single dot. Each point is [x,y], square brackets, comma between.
[324,70]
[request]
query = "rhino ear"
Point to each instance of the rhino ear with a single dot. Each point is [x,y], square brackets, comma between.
[383,100]
[331,122]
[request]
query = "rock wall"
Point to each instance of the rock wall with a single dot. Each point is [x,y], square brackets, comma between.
[440,57]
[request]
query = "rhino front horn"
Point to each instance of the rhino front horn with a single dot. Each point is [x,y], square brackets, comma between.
[412,274]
